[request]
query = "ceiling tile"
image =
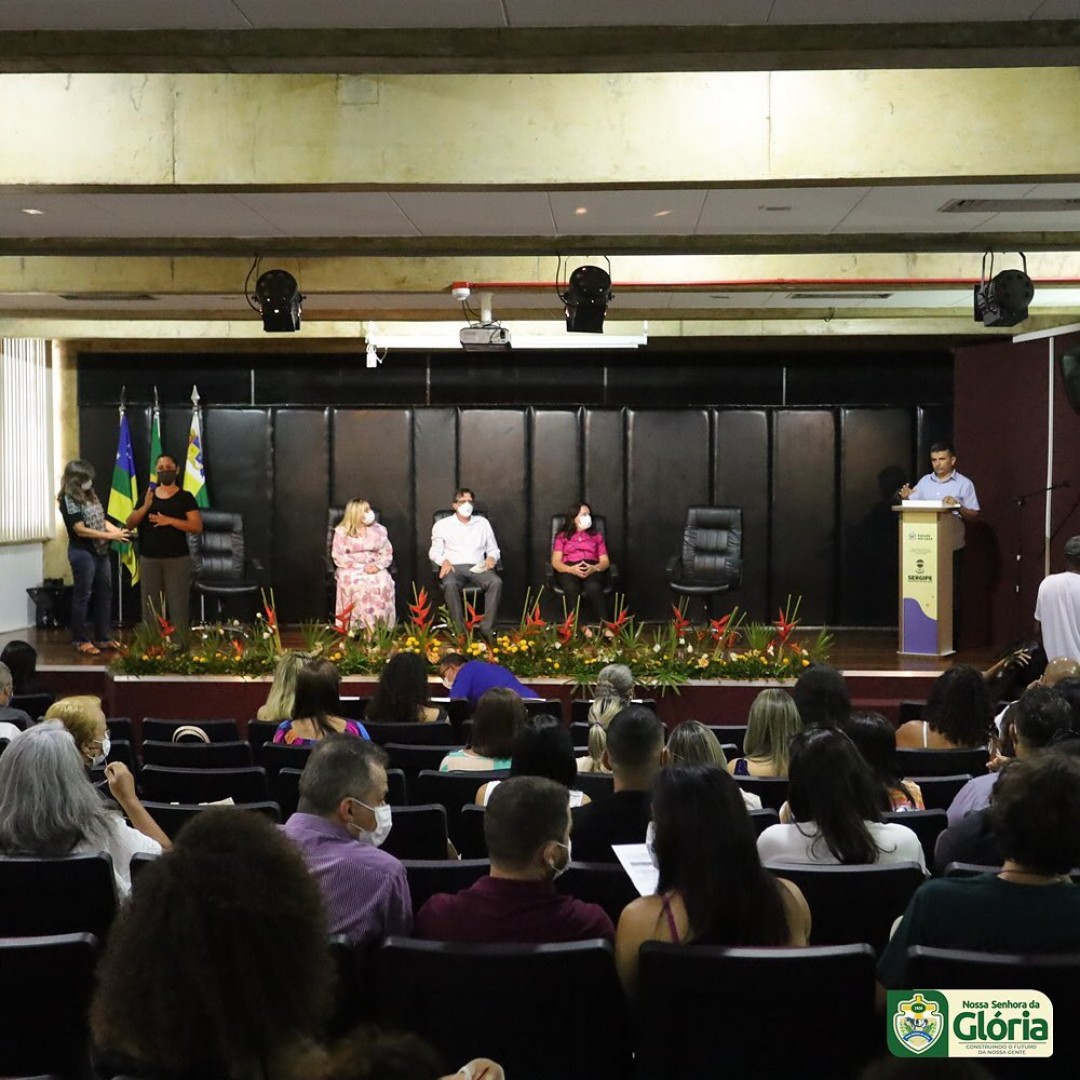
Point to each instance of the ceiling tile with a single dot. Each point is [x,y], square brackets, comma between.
[843,12]
[120,15]
[915,208]
[777,210]
[626,213]
[330,213]
[477,213]
[372,14]
[173,214]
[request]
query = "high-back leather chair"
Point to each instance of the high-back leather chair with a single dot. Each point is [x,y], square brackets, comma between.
[710,562]
[217,556]
[558,521]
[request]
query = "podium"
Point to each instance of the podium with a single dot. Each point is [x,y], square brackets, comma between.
[929,534]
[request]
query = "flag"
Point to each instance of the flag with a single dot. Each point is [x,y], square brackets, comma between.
[155,440]
[194,473]
[124,494]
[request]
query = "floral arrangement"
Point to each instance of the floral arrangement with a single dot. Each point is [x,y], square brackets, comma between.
[662,657]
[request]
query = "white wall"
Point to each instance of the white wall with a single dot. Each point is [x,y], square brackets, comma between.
[20,569]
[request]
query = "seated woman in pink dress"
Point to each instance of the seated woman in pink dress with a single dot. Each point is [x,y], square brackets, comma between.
[362,554]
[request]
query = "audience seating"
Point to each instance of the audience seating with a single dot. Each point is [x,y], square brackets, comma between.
[942,762]
[967,869]
[458,711]
[606,884]
[452,789]
[412,759]
[197,755]
[852,905]
[939,791]
[730,751]
[419,832]
[216,730]
[285,785]
[544,707]
[38,895]
[540,1011]
[755,1013]
[260,732]
[353,708]
[579,708]
[396,790]
[910,710]
[430,876]
[205,785]
[772,791]
[276,756]
[730,733]
[763,818]
[471,843]
[121,750]
[596,785]
[120,727]
[927,825]
[173,816]
[46,984]
[579,732]
[414,733]
[141,859]
[34,705]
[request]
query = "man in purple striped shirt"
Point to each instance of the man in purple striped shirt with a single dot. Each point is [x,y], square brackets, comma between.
[342,819]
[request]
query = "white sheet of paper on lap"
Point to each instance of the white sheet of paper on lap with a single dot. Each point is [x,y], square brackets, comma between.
[479,568]
[637,864]
[924,504]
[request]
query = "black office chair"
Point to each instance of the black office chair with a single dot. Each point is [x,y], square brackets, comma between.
[499,1001]
[711,559]
[611,577]
[218,564]
[65,895]
[333,519]
[46,984]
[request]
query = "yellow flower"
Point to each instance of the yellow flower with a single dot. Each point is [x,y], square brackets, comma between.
[806,663]
[556,663]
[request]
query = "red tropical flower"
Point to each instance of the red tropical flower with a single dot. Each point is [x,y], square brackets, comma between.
[472,618]
[271,616]
[533,619]
[167,628]
[565,629]
[238,648]
[784,626]
[341,621]
[615,625]
[420,610]
[679,621]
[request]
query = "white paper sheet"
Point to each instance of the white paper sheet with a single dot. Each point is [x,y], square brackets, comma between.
[637,864]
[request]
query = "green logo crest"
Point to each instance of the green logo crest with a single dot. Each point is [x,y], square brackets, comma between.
[918,1024]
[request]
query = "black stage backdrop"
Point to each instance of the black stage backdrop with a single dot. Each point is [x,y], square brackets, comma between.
[810,445]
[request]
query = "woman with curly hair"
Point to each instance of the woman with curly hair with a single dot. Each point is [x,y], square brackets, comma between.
[220,964]
[958,716]
[403,693]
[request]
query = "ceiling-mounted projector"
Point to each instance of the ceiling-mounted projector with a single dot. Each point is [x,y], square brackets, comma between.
[484,337]
[1003,299]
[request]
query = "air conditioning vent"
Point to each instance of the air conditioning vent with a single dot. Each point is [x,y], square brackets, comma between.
[1011,206]
[105,297]
[840,297]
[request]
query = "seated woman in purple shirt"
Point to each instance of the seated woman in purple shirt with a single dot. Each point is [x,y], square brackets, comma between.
[316,707]
[580,561]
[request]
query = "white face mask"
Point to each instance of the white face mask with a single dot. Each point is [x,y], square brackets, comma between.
[558,871]
[650,840]
[465,510]
[383,822]
[102,757]
[369,517]
[584,521]
[87,485]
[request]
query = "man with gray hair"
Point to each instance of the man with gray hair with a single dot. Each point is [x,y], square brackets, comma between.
[343,818]
[1057,608]
[12,721]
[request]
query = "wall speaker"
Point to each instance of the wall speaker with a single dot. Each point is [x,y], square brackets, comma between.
[1070,374]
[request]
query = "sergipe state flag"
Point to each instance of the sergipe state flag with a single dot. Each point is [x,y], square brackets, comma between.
[124,494]
[194,474]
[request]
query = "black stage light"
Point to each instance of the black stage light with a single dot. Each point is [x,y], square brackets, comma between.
[278,298]
[1002,299]
[586,298]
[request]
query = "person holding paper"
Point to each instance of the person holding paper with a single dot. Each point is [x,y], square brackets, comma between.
[465,551]
[944,484]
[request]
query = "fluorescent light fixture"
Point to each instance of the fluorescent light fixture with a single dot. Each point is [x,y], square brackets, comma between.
[524,335]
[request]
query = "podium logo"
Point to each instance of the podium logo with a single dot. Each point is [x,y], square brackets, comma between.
[918,1024]
[919,564]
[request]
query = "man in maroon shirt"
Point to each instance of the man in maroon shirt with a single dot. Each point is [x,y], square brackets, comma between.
[527,827]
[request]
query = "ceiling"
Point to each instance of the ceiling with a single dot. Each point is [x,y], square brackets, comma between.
[98,237]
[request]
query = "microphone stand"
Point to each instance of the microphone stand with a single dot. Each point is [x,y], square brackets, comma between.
[1020,501]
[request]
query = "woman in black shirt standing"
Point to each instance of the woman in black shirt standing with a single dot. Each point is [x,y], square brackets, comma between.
[165,518]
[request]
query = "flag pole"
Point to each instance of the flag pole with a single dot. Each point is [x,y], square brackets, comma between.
[116,549]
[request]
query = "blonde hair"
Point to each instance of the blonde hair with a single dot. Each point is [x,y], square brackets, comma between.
[614,686]
[692,743]
[773,722]
[353,518]
[79,715]
[282,696]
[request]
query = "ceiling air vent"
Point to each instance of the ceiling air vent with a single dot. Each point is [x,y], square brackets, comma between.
[1011,206]
[840,296]
[105,297]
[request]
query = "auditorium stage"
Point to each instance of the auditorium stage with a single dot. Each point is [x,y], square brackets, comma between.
[877,676]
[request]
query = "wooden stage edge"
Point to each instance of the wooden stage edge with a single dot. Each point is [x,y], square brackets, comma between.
[878,678]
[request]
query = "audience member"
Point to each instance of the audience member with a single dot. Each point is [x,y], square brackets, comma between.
[282,696]
[499,716]
[692,743]
[342,801]
[83,717]
[875,739]
[219,966]
[49,808]
[1057,606]
[1069,688]
[835,806]
[959,714]
[527,828]
[635,752]
[21,659]
[543,747]
[614,688]
[12,721]
[372,1053]
[471,679]
[712,888]
[773,722]
[316,707]
[822,698]
[403,693]
[1030,906]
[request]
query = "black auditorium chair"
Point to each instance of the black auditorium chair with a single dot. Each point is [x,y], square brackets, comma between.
[853,904]
[46,983]
[354,707]
[579,708]
[37,896]
[172,817]
[772,790]
[471,843]
[204,785]
[120,727]
[419,832]
[927,825]
[285,786]
[730,733]
[710,562]
[333,518]
[218,564]
[543,707]
[162,730]
[712,1012]
[938,792]
[197,755]
[451,789]
[260,732]
[606,884]
[763,818]
[457,997]
[430,876]
[274,757]
[579,732]
[412,758]
[416,733]
[34,705]
[919,762]
[966,869]
[595,784]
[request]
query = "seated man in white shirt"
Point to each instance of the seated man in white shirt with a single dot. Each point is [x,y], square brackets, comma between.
[464,549]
